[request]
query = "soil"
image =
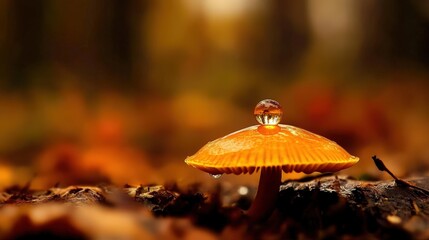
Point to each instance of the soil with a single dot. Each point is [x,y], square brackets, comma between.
[326,207]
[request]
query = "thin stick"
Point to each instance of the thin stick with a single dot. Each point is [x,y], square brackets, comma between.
[380,165]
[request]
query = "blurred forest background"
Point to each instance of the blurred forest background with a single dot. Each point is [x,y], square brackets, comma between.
[123,91]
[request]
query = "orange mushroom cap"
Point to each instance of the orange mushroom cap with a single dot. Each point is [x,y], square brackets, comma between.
[291,148]
[271,145]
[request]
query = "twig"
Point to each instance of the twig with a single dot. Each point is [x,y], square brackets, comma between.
[380,165]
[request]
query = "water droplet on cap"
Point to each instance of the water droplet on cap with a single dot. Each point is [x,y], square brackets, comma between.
[268,112]
[216,175]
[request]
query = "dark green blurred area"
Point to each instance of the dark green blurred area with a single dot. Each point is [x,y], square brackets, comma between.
[161,78]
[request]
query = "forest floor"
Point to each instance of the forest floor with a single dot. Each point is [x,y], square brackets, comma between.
[324,207]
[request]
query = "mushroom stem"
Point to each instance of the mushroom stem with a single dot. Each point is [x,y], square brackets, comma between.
[266,198]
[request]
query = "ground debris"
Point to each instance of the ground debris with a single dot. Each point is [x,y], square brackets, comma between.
[382,208]
[166,202]
[72,194]
[326,207]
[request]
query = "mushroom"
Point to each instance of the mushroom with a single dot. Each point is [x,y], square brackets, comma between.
[270,147]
